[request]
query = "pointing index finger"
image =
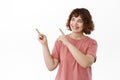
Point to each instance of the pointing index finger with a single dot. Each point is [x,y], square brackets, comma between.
[38,31]
[61,32]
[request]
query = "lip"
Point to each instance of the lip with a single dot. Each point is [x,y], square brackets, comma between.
[74,27]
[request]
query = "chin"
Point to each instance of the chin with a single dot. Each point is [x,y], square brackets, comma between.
[76,31]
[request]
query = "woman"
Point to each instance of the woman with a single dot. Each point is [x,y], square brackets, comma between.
[74,52]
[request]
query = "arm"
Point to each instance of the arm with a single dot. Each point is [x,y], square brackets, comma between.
[50,62]
[84,60]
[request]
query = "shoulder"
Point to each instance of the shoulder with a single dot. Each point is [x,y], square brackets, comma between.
[91,40]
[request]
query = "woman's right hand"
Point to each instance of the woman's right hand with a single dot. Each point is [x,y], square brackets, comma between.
[42,38]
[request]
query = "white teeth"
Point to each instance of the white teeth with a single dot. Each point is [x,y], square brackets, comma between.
[74,27]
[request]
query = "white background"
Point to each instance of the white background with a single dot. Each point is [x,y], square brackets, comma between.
[21,55]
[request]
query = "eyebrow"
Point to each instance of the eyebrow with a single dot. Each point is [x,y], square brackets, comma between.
[76,17]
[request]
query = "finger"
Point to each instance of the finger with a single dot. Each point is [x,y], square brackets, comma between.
[61,32]
[38,31]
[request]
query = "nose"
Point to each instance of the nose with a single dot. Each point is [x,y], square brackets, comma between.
[75,22]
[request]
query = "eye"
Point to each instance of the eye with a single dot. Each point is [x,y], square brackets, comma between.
[72,19]
[80,21]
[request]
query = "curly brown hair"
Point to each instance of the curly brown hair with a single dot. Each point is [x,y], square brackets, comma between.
[86,17]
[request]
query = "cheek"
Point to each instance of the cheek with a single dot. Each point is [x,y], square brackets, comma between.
[80,24]
[81,27]
[71,22]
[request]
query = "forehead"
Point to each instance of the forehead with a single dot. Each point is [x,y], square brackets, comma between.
[78,17]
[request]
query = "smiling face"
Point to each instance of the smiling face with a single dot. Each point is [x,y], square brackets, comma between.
[76,24]
[80,20]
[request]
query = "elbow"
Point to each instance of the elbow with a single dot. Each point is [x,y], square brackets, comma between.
[50,69]
[86,65]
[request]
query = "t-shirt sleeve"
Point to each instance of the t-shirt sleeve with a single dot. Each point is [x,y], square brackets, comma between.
[56,50]
[92,49]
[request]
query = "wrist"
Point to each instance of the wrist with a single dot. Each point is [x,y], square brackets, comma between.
[44,45]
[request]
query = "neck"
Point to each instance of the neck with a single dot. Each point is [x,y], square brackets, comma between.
[77,35]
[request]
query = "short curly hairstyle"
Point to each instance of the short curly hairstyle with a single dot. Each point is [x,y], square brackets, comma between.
[86,17]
